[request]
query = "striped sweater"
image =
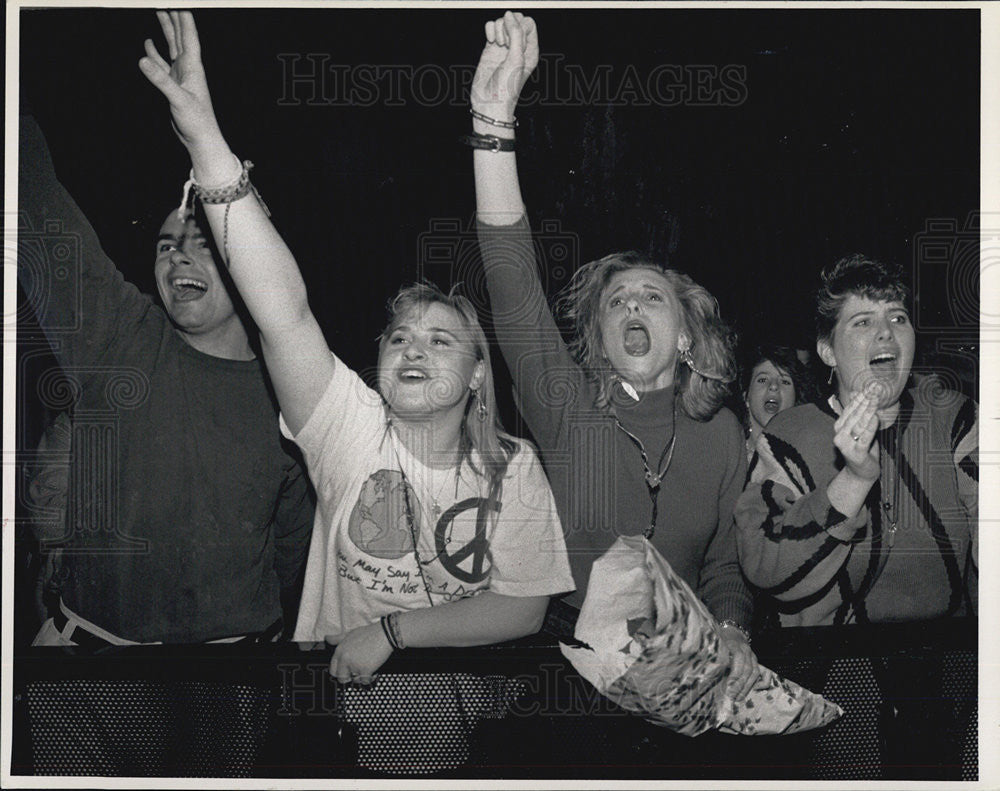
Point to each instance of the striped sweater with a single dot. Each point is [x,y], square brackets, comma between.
[817,566]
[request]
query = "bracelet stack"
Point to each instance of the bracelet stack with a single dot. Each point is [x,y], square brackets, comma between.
[228,193]
[728,623]
[390,627]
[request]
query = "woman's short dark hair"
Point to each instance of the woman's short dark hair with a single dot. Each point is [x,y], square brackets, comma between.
[785,359]
[861,276]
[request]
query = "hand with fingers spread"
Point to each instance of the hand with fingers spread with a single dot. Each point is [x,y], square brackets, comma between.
[182,80]
[509,57]
[359,654]
[854,436]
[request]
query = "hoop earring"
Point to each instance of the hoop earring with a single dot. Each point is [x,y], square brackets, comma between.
[688,359]
[481,412]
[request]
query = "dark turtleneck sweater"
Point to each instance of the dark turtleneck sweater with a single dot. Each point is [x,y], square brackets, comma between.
[594,468]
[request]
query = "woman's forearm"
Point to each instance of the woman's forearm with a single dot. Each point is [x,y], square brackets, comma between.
[477,620]
[498,191]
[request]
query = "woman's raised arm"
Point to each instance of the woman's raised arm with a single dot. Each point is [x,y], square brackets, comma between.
[262,266]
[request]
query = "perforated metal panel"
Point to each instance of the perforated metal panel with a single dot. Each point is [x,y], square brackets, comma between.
[850,746]
[857,746]
[145,728]
[425,722]
[421,723]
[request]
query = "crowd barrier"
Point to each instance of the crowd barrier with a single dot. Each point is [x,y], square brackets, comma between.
[516,710]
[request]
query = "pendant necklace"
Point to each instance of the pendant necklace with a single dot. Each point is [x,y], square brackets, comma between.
[653,480]
[411,522]
[429,489]
[435,504]
[890,507]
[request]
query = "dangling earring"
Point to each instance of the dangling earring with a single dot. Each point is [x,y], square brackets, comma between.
[829,380]
[481,412]
[688,359]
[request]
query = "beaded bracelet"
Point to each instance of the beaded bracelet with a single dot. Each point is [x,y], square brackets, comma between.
[511,124]
[731,624]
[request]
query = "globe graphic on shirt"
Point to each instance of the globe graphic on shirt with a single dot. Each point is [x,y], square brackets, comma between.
[379,524]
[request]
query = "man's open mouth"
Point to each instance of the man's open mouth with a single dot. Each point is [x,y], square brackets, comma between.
[188,288]
[636,339]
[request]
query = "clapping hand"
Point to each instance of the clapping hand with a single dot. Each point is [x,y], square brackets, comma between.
[854,436]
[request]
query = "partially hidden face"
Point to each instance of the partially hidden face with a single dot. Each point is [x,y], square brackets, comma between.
[428,362]
[641,327]
[872,348]
[188,280]
[770,391]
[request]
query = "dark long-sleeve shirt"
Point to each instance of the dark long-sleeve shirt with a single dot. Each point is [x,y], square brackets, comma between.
[595,470]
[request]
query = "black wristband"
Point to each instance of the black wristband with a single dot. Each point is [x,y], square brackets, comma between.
[488,142]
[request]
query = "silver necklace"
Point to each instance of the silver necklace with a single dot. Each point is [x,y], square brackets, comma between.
[890,507]
[654,479]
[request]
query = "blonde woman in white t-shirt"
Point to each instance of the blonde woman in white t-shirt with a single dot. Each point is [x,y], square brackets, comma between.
[477,575]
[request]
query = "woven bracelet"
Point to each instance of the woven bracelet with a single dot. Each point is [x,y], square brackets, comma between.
[227,193]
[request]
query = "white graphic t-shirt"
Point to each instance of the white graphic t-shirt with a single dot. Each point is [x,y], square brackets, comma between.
[375,497]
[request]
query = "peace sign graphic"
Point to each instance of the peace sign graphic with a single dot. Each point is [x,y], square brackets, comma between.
[476,549]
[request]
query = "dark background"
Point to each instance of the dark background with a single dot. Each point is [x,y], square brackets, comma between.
[854,130]
[851,131]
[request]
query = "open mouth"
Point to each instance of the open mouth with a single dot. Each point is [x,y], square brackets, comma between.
[188,288]
[884,363]
[636,339]
[772,406]
[411,375]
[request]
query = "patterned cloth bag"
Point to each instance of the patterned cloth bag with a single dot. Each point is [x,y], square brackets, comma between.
[649,644]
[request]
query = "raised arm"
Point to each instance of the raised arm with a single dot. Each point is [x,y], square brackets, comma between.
[81,301]
[507,60]
[262,266]
[531,343]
